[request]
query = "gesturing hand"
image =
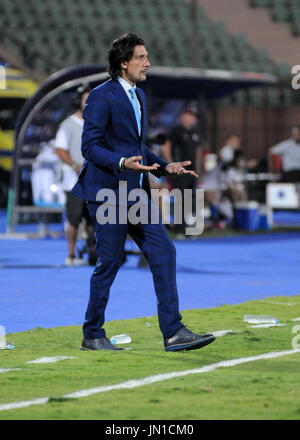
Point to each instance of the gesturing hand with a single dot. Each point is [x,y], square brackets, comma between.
[133,163]
[178,168]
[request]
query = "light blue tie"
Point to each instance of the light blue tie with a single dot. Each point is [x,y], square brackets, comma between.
[135,104]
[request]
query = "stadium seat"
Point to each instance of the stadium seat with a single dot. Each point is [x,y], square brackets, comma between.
[73,33]
[282,10]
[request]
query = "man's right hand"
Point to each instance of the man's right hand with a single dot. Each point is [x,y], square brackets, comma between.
[133,163]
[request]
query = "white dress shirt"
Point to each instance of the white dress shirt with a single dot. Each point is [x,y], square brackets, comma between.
[126,86]
[289,151]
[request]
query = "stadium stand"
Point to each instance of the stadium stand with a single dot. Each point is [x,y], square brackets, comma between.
[50,35]
[74,33]
[282,11]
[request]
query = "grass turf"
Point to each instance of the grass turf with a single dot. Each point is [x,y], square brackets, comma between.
[265,389]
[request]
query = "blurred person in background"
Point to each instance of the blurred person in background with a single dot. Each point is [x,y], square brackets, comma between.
[214,182]
[289,151]
[234,189]
[185,140]
[68,148]
[232,144]
[235,178]
[161,146]
[224,185]
[185,143]
[46,176]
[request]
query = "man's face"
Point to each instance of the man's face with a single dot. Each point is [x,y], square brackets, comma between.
[234,142]
[136,68]
[296,134]
[188,120]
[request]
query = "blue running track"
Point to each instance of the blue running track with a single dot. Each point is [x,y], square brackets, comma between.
[38,290]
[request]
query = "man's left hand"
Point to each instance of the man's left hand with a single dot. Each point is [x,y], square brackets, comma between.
[178,168]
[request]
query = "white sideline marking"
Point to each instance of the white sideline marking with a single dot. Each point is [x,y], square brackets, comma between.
[49,360]
[296,319]
[266,325]
[150,379]
[24,404]
[5,370]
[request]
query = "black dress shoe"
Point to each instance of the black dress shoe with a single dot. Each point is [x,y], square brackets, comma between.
[98,344]
[184,339]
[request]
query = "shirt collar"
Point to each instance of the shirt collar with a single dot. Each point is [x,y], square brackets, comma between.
[125,84]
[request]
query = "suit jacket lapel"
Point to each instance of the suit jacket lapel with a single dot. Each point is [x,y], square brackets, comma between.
[143,111]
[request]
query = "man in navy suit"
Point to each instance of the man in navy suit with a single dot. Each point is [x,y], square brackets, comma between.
[113,145]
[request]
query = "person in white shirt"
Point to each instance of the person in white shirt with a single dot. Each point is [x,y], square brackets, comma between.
[231,147]
[232,144]
[68,148]
[235,178]
[289,151]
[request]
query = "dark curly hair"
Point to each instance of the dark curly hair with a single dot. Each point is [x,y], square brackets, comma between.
[121,50]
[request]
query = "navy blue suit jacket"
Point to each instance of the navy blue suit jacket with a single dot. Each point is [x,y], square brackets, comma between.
[110,132]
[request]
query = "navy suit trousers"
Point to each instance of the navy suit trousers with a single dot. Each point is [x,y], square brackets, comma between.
[158,249]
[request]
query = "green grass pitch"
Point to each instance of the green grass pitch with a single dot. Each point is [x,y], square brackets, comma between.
[264,389]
